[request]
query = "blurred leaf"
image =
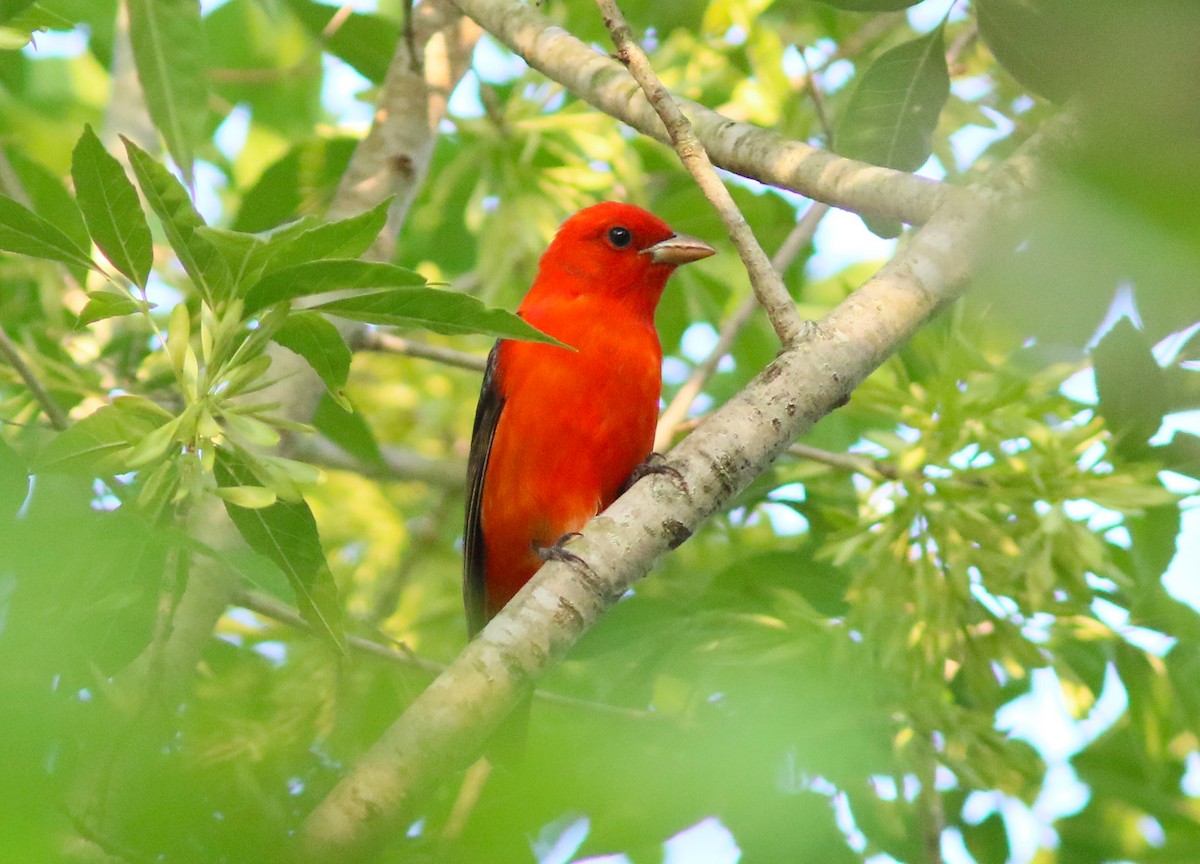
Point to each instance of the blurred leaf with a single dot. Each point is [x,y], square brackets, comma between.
[106,304]
[894,108]
[167,197]
[287,534]
[49,198]
[302,182]
[1131,387]
[434,309]
[317,277]
[988,841]
[111,209]
[14,482]
[95,445]
[871,5]
[24,232]
[1181,454]
[347,429]
[168,48]
[311,336]
[11,8]
[367,42]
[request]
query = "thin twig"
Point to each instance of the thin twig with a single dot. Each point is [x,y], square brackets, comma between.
[768,287]
[390,343]
[848,461]
[400,466]
[669,423]
[57,417]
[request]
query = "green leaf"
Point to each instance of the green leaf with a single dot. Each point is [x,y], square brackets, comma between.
[344,238]
[48,197]
[988,841]
[168,50]
[303,181]
[111,209]
[1131,387]
[1038,42]
[98,443]
[347,430]
[250,497]
[367,42]
[26,233]
[244,254]
[14,481]
[311,336]
[106,304]
[894,109]
[9,9]
[180,220]
[317,277]
[287,534]
[434,309]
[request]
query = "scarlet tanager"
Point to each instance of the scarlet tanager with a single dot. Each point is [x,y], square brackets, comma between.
[558,433]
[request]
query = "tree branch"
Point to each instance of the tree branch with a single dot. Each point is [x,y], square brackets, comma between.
[738,147]
[669,423]
[768,287]
[55,414]
[369,339]
[398,466]
[446,724]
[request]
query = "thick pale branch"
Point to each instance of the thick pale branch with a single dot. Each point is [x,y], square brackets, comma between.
[768,287]
[738,147]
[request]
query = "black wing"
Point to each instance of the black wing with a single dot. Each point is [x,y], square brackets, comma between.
[487,417]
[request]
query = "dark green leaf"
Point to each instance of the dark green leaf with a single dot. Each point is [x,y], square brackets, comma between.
[301,182]
[434,309]
[287,534]
[1130,383]
[317,277]
[105,304]
[311,336]
[168,50]
[14,481]
[9,9]
[894,108]
[48,197]
[111,208]
[180,221]
[345,238]
[26,233]
[348,430]
[988,841]
[1033,41]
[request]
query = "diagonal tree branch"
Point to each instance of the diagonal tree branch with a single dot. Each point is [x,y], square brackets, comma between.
[768,287]
[445,726]
[738,147]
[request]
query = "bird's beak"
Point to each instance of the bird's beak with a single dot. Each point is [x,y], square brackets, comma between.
[679,249]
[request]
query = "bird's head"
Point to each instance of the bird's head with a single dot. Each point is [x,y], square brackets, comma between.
[616,249]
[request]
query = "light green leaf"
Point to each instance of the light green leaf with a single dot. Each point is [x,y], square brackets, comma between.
[311,336]
[250,497]
[168,50]
[345,238]
[111,208]
[434,309]
[317,277]
[106,304]
[26,233]
[180,221]
[97,444]
[287,534]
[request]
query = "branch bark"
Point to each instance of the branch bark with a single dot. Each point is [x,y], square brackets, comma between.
[446,724]
[738,147]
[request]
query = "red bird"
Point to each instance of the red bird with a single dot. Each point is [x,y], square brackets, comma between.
[558,433]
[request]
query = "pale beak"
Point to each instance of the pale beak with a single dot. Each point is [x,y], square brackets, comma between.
[679,249]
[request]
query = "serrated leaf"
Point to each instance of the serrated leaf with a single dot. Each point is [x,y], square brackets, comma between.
[26,233]
[106,304]
[167,41]
[317,277]
[441,311]
[311,336]
[180,220]
[287,534]
[894,108]
[1131,387]
[111,209]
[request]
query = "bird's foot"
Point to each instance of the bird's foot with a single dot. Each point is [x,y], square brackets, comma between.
[655,463]
[557,551]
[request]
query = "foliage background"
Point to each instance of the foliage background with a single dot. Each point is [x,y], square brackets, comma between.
[971,640]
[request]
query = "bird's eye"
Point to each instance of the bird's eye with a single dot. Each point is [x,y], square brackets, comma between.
[620,237]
